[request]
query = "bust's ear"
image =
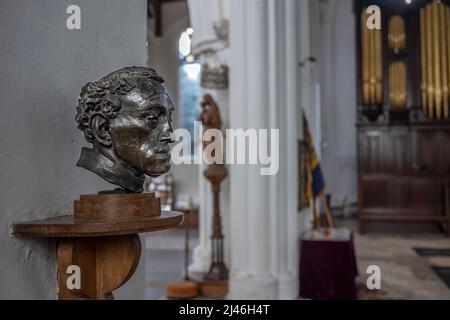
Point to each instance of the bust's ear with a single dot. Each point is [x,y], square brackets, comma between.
[100,129]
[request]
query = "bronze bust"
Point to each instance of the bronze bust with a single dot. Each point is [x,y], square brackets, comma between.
[126,115]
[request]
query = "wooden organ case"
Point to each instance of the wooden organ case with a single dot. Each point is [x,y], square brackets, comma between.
[403,129]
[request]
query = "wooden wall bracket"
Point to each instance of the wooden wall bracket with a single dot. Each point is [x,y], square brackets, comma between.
[101,238]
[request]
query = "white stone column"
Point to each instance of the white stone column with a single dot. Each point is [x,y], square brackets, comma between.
[250,274]
[286,182]
[264,95]
[201,256]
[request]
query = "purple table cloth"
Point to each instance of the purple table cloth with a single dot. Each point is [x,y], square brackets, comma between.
[327,269]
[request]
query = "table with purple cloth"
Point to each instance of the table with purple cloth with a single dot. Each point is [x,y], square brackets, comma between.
[328,265]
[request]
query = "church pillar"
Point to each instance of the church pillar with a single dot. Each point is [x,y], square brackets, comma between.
[263,95]
[285,114]
[250,274]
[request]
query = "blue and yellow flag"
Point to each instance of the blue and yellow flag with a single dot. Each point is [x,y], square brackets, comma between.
[314,182]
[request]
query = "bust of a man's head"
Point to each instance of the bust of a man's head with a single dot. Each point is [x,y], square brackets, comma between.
[126,115]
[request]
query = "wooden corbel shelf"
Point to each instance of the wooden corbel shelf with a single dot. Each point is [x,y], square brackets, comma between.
[101,238]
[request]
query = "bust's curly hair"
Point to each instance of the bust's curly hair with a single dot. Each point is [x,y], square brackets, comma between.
[104,96]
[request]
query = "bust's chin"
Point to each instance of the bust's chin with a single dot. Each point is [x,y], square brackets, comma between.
[159,167]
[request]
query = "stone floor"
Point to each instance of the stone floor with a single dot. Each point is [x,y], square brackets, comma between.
[404,274]
[164,260]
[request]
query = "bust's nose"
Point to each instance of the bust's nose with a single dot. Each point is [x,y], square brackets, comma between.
[167,134]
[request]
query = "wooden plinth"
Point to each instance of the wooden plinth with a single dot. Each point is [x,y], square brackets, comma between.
[101,238]
[107,207]
[213,289]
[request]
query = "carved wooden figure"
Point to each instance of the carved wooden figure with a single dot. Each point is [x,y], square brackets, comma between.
[215,281]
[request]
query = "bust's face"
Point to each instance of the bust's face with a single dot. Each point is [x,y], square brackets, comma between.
[142,131]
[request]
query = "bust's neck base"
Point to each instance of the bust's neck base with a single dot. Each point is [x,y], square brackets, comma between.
[110,171]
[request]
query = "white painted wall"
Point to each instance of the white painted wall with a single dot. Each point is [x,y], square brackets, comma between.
[43,68]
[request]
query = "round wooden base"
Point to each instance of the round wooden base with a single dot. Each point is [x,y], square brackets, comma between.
[183,290]
[68,227]
[100,215]
[214,289]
